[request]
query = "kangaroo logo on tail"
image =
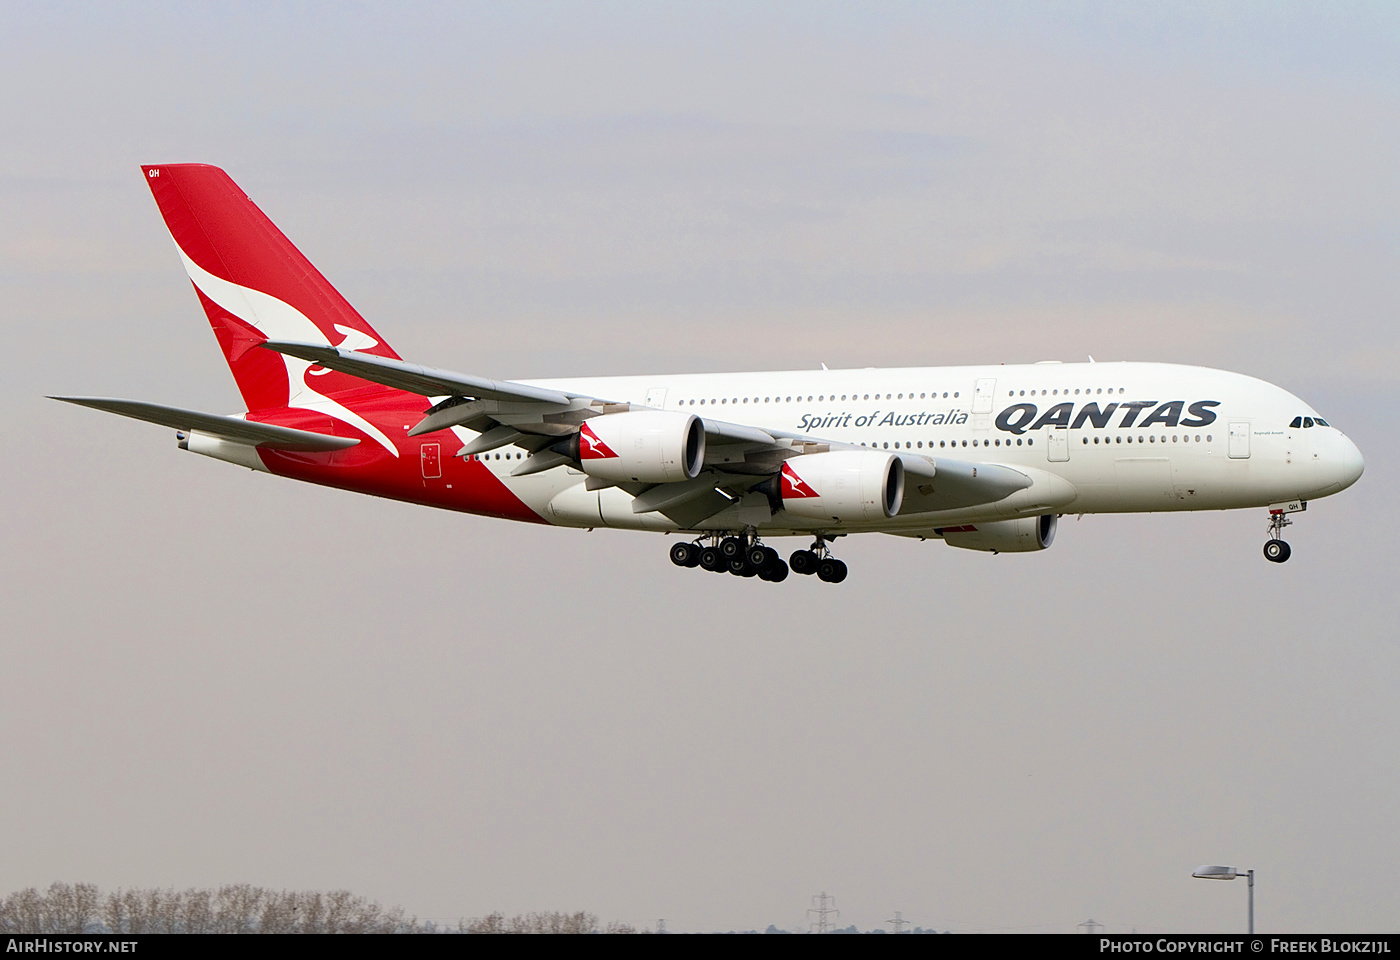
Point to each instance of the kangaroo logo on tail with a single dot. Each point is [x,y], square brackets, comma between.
[277,320]
[255,285]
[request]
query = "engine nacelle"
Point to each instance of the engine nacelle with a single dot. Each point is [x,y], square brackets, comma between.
[846,485]
[648,446]
[1026,535]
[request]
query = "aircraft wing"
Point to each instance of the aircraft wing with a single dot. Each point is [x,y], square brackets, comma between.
[234,429]
[413,378]
[529,409]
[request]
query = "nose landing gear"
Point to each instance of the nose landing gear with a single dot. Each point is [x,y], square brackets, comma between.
[1275,549]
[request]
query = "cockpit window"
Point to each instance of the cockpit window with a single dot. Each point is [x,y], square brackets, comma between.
[1297,422]
[1321,422]
[1307,421]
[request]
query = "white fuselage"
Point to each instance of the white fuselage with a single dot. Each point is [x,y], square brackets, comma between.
[1095,437]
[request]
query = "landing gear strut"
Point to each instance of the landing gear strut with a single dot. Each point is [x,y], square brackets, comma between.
[818,559]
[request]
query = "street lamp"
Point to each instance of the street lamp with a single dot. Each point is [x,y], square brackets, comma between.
[1216,872]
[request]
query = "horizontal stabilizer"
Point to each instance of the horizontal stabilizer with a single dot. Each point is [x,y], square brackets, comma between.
[234,429]
[411,377]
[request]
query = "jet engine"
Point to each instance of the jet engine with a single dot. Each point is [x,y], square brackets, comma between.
[647,446]
[1026,535]
[844,485]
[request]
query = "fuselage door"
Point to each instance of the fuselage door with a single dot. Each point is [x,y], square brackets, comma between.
[430,454]
[1058,451]
[983,394]
[1239,440]
[656,397]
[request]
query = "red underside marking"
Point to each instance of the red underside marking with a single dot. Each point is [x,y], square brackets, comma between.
[490,496]
[465,485]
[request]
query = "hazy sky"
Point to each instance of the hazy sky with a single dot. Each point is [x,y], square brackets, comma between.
[213,676]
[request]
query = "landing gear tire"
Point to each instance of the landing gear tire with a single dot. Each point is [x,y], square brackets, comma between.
[803,562]
[731,547]
[1277,551]
[831,570]
[685,554]
[758,557]
[712,560]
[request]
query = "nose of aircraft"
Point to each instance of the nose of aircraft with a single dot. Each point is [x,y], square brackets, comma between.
[1352,463]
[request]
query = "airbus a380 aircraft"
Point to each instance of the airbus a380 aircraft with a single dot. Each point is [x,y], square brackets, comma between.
[985,458]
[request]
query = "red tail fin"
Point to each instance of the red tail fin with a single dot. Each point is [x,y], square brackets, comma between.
[255,286]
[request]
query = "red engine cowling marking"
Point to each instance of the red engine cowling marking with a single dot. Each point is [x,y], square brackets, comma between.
[648,446]
[843,485]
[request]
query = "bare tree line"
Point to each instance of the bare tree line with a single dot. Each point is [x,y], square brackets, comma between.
[235,908]
[243,908]
[544,923]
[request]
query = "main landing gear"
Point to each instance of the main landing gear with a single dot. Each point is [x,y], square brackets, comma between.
[743,555]
[1275,549]
[818,559]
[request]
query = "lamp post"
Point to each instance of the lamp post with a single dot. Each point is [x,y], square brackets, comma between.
[1216,872]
